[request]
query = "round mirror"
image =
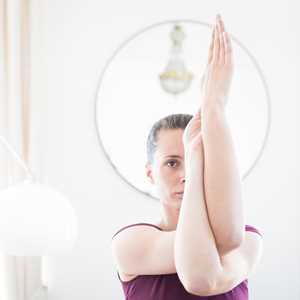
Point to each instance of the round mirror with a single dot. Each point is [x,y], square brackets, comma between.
[131,97]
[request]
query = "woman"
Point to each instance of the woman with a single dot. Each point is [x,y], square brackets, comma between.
[200,247]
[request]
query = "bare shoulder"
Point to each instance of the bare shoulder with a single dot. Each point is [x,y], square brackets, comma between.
[141,249]
[136,228]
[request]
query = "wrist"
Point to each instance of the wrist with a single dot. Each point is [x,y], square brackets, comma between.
[211,104]
[192,151]
[193,158]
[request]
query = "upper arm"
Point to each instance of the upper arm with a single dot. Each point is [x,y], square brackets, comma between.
[144,250]
[239,263]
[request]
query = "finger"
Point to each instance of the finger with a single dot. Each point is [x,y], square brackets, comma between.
[216,45]
[222,46]
[221,24]
[195,118]
[202,81]
[228,48]
[211,46]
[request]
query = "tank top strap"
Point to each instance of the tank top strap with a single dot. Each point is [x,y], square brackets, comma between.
[135,224]
[253,229]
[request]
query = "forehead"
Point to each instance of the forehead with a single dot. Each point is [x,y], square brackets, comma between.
[169,142]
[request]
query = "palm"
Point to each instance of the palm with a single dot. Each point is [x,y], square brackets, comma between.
[218,75]
[192,137]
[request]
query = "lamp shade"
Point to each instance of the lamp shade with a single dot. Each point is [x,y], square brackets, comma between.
[36,220]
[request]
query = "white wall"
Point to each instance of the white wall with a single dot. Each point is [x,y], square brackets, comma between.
[80,37]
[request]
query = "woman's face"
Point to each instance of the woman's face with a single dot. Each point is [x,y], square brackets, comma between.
[167,170]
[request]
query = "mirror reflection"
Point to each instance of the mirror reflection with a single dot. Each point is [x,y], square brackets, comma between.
[157,72]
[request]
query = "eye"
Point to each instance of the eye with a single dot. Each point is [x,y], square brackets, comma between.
[171,162]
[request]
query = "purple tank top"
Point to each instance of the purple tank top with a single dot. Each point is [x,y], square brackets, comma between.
[169,286]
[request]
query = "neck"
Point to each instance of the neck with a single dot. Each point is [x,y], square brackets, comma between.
[169,218]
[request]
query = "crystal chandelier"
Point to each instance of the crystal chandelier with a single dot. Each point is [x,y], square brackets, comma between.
[175,79]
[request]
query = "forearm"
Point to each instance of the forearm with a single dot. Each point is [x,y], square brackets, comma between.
[222,182]
[196,256]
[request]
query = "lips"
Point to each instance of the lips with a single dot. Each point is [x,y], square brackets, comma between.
[179,193]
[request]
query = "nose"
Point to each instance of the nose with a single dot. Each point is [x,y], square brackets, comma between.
[182,175]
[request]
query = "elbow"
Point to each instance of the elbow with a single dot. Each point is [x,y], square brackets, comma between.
[200,286]
[237,240]
[230,245]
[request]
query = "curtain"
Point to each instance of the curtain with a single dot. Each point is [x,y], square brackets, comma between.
[20,277]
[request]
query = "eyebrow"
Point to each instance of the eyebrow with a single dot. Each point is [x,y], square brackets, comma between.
[177,156]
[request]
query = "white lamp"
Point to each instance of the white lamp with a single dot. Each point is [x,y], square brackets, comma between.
[35,219]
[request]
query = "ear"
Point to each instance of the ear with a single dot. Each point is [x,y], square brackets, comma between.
[149,174]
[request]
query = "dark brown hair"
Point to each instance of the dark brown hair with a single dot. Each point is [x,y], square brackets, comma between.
[174,121]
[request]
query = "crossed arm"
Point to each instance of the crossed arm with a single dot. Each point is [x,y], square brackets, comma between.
[203,268]
[221,175]
[212,252]
[222,183]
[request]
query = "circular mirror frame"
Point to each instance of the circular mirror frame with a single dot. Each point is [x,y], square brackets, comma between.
[141,31]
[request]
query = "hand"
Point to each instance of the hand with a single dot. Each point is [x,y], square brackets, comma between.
[192,136]
[219,70]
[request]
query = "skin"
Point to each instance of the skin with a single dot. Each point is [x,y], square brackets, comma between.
[208,128]
[168,173]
